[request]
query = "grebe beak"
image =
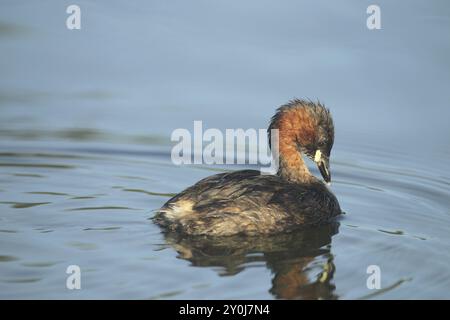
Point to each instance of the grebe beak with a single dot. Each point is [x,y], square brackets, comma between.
[324,168]
[323,164]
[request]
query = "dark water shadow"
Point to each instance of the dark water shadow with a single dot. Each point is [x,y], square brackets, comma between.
[301,262]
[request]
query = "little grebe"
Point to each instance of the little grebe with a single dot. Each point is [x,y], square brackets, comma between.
[247,202]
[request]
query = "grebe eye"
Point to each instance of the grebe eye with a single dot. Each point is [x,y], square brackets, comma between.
[309,149]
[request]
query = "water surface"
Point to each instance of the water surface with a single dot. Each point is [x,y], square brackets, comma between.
[85,124]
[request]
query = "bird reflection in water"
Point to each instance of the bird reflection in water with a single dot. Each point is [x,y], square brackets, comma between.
[301,262]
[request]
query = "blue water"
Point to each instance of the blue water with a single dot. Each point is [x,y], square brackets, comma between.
[85,123]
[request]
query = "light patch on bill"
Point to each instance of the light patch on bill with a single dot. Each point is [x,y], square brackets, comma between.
[318,156]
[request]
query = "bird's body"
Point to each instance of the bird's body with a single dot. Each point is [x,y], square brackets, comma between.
[247,202]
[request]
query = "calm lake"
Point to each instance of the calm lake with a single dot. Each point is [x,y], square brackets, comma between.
[86,118]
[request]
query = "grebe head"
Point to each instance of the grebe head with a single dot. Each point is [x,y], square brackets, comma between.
[305,127]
